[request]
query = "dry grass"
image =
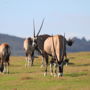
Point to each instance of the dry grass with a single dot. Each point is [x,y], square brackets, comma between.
[76,75]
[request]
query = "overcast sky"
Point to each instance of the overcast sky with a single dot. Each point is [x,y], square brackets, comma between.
[71,17]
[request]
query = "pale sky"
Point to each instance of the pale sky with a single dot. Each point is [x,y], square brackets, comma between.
[71,17]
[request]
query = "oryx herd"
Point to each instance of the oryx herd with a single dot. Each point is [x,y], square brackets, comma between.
[46,45]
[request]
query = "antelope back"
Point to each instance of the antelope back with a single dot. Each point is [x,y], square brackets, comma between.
[41,39]
[5,49]
[58,46]
[28,44]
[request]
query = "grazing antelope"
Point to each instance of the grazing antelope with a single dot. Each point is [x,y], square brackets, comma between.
[55,46]
[34,43]
[4,57]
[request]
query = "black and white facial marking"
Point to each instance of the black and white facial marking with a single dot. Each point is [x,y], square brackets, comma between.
[34,42]
[61,65]
[35,36]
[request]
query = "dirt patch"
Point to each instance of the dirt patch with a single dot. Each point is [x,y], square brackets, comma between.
[26,78]
[14,89]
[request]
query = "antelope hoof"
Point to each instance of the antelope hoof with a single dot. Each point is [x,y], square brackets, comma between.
[51,74]
[1,73]
[45,74]
[42,66]
[66,64]
[55,75]
[60,74]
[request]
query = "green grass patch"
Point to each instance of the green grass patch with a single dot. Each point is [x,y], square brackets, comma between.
[76,75]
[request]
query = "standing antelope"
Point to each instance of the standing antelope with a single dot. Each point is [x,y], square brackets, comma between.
[28,51]
[35,43]
[55,46]
[4,57]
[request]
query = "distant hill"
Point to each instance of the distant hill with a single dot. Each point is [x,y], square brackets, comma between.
[79,45]
[16,44]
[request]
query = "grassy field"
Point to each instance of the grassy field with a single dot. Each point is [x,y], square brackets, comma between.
[76,75]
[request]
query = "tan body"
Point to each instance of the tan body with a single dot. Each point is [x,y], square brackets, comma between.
[28,51]
[59,45]
[29,48]
[55,46]
[4,57]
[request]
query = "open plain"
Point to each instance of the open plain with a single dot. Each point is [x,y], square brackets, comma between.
[76,75]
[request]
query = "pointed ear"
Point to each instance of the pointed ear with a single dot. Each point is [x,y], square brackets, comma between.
[40,27]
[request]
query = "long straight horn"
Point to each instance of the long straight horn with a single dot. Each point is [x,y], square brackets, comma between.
[33,28]
[40,27]
[64,35]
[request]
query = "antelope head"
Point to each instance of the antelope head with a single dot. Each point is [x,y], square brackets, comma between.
[35,37]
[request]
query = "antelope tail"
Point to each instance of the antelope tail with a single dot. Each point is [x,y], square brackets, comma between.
[54,49]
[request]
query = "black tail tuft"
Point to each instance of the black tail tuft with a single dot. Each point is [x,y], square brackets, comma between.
[70,42]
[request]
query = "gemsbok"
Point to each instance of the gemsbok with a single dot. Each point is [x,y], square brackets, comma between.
[34,43]
[4,57]
[55,46]
[28,51]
